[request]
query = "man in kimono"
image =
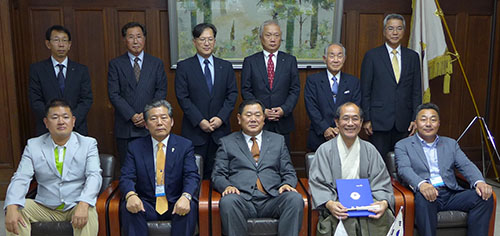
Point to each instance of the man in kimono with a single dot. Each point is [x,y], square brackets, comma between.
[349,157]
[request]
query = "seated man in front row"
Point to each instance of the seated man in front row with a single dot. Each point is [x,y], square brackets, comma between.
[159,177]
[427,162]
[349,157]
[67,168]
[254,173]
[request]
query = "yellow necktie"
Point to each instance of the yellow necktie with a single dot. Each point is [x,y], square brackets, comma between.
[161,201]
[395,65]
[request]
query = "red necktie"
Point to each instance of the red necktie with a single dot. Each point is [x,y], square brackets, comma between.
[270,70]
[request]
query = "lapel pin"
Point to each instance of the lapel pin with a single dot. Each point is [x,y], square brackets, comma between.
[173,149]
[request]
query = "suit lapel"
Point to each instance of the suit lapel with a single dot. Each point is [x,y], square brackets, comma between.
[341,89]
[404,64]
[198,70]
[261,67]
[387,61]
[71,150]
[48,153]
[146,71]
[417,146]
[327,90]
[170,154]
[217,80]
[148,159]
[70,73]
[280,62]
[51,76]
[242,144]
[129,70]
[440,153]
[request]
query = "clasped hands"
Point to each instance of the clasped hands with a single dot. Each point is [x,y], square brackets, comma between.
[211,125]
[274,113]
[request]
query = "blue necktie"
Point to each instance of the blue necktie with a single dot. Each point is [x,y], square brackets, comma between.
[335,89]
[208,76]
[60,77]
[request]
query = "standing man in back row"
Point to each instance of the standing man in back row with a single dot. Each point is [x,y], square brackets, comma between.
[134,80]
[206,90]
[272,77]
[390,88]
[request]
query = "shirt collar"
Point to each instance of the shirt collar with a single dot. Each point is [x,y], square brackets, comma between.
[55,145]
[132,57]
[330,75]
[266,54]
[202,59]
[164,141]
[389,49]
[426,144]
[248,137]
[55,63]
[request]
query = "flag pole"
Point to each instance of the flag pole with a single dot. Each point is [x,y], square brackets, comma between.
[481,121]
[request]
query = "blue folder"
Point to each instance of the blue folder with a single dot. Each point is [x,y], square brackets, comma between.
[355,193]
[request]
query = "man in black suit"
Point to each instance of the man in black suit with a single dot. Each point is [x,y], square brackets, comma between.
[255,175]
[59,77]
[325,91]
[390,88]
[134,80]
[272,77]
[206,90]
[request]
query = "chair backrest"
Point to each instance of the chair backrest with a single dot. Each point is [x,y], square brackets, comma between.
[108,163]
[199,163]
[309,158]
[390,163]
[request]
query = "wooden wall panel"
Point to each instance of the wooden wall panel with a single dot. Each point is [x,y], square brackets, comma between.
[125,16]
[41,19]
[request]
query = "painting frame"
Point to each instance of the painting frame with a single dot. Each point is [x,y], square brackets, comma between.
[315,61]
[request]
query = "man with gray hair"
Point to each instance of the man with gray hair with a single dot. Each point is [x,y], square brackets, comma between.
[325,91]
[152,195]
[390,88]
[272,77]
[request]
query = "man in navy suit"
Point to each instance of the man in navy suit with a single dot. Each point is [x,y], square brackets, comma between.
[59,77]
[159,177]
[327,90]
[134,80]
[390,88]
[427,163]
[206,90]
[272,77]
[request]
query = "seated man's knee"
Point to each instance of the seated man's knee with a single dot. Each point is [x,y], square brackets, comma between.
[230,202]
[293,199]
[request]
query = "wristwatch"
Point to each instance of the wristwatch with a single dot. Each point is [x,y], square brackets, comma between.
[187,195]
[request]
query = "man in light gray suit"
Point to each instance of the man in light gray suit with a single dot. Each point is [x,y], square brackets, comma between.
[427,162]
[67,168]
[254,173]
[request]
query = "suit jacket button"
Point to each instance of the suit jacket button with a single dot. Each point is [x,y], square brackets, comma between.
[252,187]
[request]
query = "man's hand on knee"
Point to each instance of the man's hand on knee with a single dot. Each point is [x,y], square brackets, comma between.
[12,218]
[484,190]
[81,215]
[230,190]
[134,203]
[430,193]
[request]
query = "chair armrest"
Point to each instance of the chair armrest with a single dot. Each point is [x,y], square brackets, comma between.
[404,197]
[113,216]
[491,231]
[102,205]
[305,197]
[204,208]
[216,222]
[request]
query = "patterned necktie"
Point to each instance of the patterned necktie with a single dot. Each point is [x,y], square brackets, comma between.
[161,201]
[137,69]
[335,89]
[60,77]
[256,154]
[395,64]
[270,70]
[208,75]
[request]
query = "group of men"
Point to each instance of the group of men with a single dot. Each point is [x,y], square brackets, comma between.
[252,167]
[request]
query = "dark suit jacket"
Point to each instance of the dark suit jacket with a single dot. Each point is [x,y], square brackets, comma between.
[413,167]
[198,104]
[385,103]
[319,103]
[181,173]
[235,166]
[129,96]
[286,85]
[44,87]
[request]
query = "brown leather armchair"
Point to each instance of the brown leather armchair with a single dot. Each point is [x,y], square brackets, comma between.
[61,228]
[399,196]
[157,227]
[449,222]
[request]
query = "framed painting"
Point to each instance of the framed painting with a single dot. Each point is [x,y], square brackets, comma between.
[307,26]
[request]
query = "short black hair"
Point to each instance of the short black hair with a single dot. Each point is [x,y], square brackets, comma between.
[56,102]
[339,108]
[250,102]
[132,25]
[59,28]
[428,105]
[199,28]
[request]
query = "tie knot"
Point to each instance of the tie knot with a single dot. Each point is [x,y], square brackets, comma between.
[206,62]
[394,51]
[136,59]
[253,139]
[271,55]
[160,145]
[61,66]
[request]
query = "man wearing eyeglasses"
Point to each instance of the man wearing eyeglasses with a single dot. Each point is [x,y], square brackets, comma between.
[324,92]
[61,78]
[134,79]
[272,77]
[390,88]
[206,90]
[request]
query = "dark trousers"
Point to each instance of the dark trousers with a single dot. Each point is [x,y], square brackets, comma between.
[479,211]
[136,224]
[287,207]
[385,141]
[207,151]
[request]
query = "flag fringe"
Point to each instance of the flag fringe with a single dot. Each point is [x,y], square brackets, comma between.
[441,65]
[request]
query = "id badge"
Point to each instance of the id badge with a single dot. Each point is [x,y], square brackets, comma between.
[437,181]
[160,190]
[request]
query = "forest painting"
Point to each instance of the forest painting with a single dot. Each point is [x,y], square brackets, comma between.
[307,26]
